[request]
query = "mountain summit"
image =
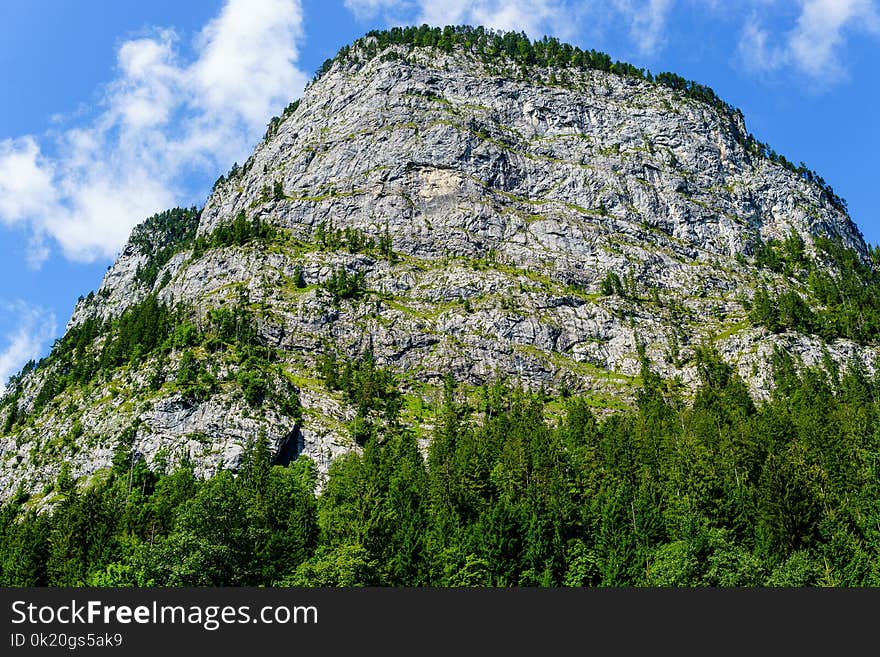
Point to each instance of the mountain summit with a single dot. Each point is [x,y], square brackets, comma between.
[447,204]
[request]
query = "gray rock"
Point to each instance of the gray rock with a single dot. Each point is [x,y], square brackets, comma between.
[508,201]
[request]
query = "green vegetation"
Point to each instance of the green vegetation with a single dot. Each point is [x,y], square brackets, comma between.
[193,380]
[611,285]
[354,240]
[371,389]
[96,346]
[152,330]
[148,527]
[299,279]
[165,234]
[844,290]
[343,285]
[274,122]
[517,489]
[160,237]
[719,492]
[238,232]
[331,239]
[277,191]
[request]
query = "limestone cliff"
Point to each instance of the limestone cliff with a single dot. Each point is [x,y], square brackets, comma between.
[539,224]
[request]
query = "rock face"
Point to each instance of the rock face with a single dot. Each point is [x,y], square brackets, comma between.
[506,199]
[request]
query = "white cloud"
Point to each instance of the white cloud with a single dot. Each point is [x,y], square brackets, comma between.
[819,34]
[650,25]
[647,20]
[161,120]
[35,328]
[25,181]
[248,57]
[814,45]
[755,49]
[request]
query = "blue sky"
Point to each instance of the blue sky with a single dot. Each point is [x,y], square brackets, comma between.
[115,110]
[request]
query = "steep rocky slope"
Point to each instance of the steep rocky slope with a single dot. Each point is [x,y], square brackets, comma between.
[450,215]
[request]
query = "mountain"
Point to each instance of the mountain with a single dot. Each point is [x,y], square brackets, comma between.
[446,205]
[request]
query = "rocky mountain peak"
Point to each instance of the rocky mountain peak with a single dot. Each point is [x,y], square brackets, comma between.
[446,203]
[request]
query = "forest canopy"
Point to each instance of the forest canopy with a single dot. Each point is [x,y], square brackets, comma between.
[720,492]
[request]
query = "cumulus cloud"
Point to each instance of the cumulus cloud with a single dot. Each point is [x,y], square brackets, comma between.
[25,180]
[248,57]
[163,119]
[35,327]
[814,45]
